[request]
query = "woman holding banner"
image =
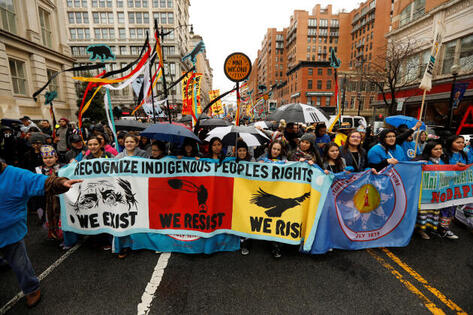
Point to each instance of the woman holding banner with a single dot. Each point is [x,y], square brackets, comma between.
[454,155]
[276,152]
[216,149]
[96,151]
[353,153]
[428,219]
[306,151]
[131,148]
[386,151]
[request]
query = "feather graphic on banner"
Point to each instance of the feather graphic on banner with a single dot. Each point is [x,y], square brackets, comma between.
[426,83]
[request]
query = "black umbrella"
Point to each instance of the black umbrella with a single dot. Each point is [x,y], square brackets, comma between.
[174,133]
[130,125]
[214,123]
[301,113]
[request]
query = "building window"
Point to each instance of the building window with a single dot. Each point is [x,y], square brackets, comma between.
[121,17]
[170,3]
[361,102]
[138,18]
[309,84]
[80,34]
[45,27]
[123,50]
[449,56]
[327,101]
[319,71]
[329,71]
[18,75]
[319,84]
[121,33]
[53,85]
[170,18]
[329,84]
[119,3]
[163,18]
[466,53]
[132,33]
[352,102]
[310,71]
[319,100]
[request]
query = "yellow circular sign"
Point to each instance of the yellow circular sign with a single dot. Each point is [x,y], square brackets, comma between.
[367,198]
[237,67]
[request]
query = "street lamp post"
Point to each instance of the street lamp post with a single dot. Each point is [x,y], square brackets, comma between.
[455,69]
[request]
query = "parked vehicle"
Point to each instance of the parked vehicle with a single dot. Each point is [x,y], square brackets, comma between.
[354,121]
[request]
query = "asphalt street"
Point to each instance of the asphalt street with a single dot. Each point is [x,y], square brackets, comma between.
[434,276]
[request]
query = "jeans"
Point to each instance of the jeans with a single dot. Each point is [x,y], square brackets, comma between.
[15,254]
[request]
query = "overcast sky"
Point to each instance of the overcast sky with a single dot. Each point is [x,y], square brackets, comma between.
[239,26]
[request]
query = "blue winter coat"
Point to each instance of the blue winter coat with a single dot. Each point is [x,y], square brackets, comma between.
[377,156]
[16,186]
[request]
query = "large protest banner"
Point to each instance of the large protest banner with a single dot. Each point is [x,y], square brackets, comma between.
[363,210]
[194,197]
[446,185]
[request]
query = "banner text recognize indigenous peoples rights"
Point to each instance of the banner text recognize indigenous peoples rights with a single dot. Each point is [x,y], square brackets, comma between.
[194,197]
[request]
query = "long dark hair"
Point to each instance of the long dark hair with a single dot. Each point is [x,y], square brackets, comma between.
[448,148]
[345,146]
[283,149]
[210,154]
[338,161]
[193,144]
[382,139]
[427,152]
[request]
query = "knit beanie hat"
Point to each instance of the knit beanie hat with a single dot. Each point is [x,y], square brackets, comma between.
[308,137]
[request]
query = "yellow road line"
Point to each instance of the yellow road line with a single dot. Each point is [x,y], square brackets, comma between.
[434,309]
[418,277]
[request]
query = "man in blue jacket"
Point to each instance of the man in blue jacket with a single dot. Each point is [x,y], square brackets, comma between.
[17,186]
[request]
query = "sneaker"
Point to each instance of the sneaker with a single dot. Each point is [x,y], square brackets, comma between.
[107,247]
[245,251]
[424,235]
[277,253]
[450,235]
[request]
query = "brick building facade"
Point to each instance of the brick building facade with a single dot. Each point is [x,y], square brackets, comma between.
[414,19]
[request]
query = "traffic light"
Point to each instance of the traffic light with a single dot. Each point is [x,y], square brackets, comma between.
[379,117]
